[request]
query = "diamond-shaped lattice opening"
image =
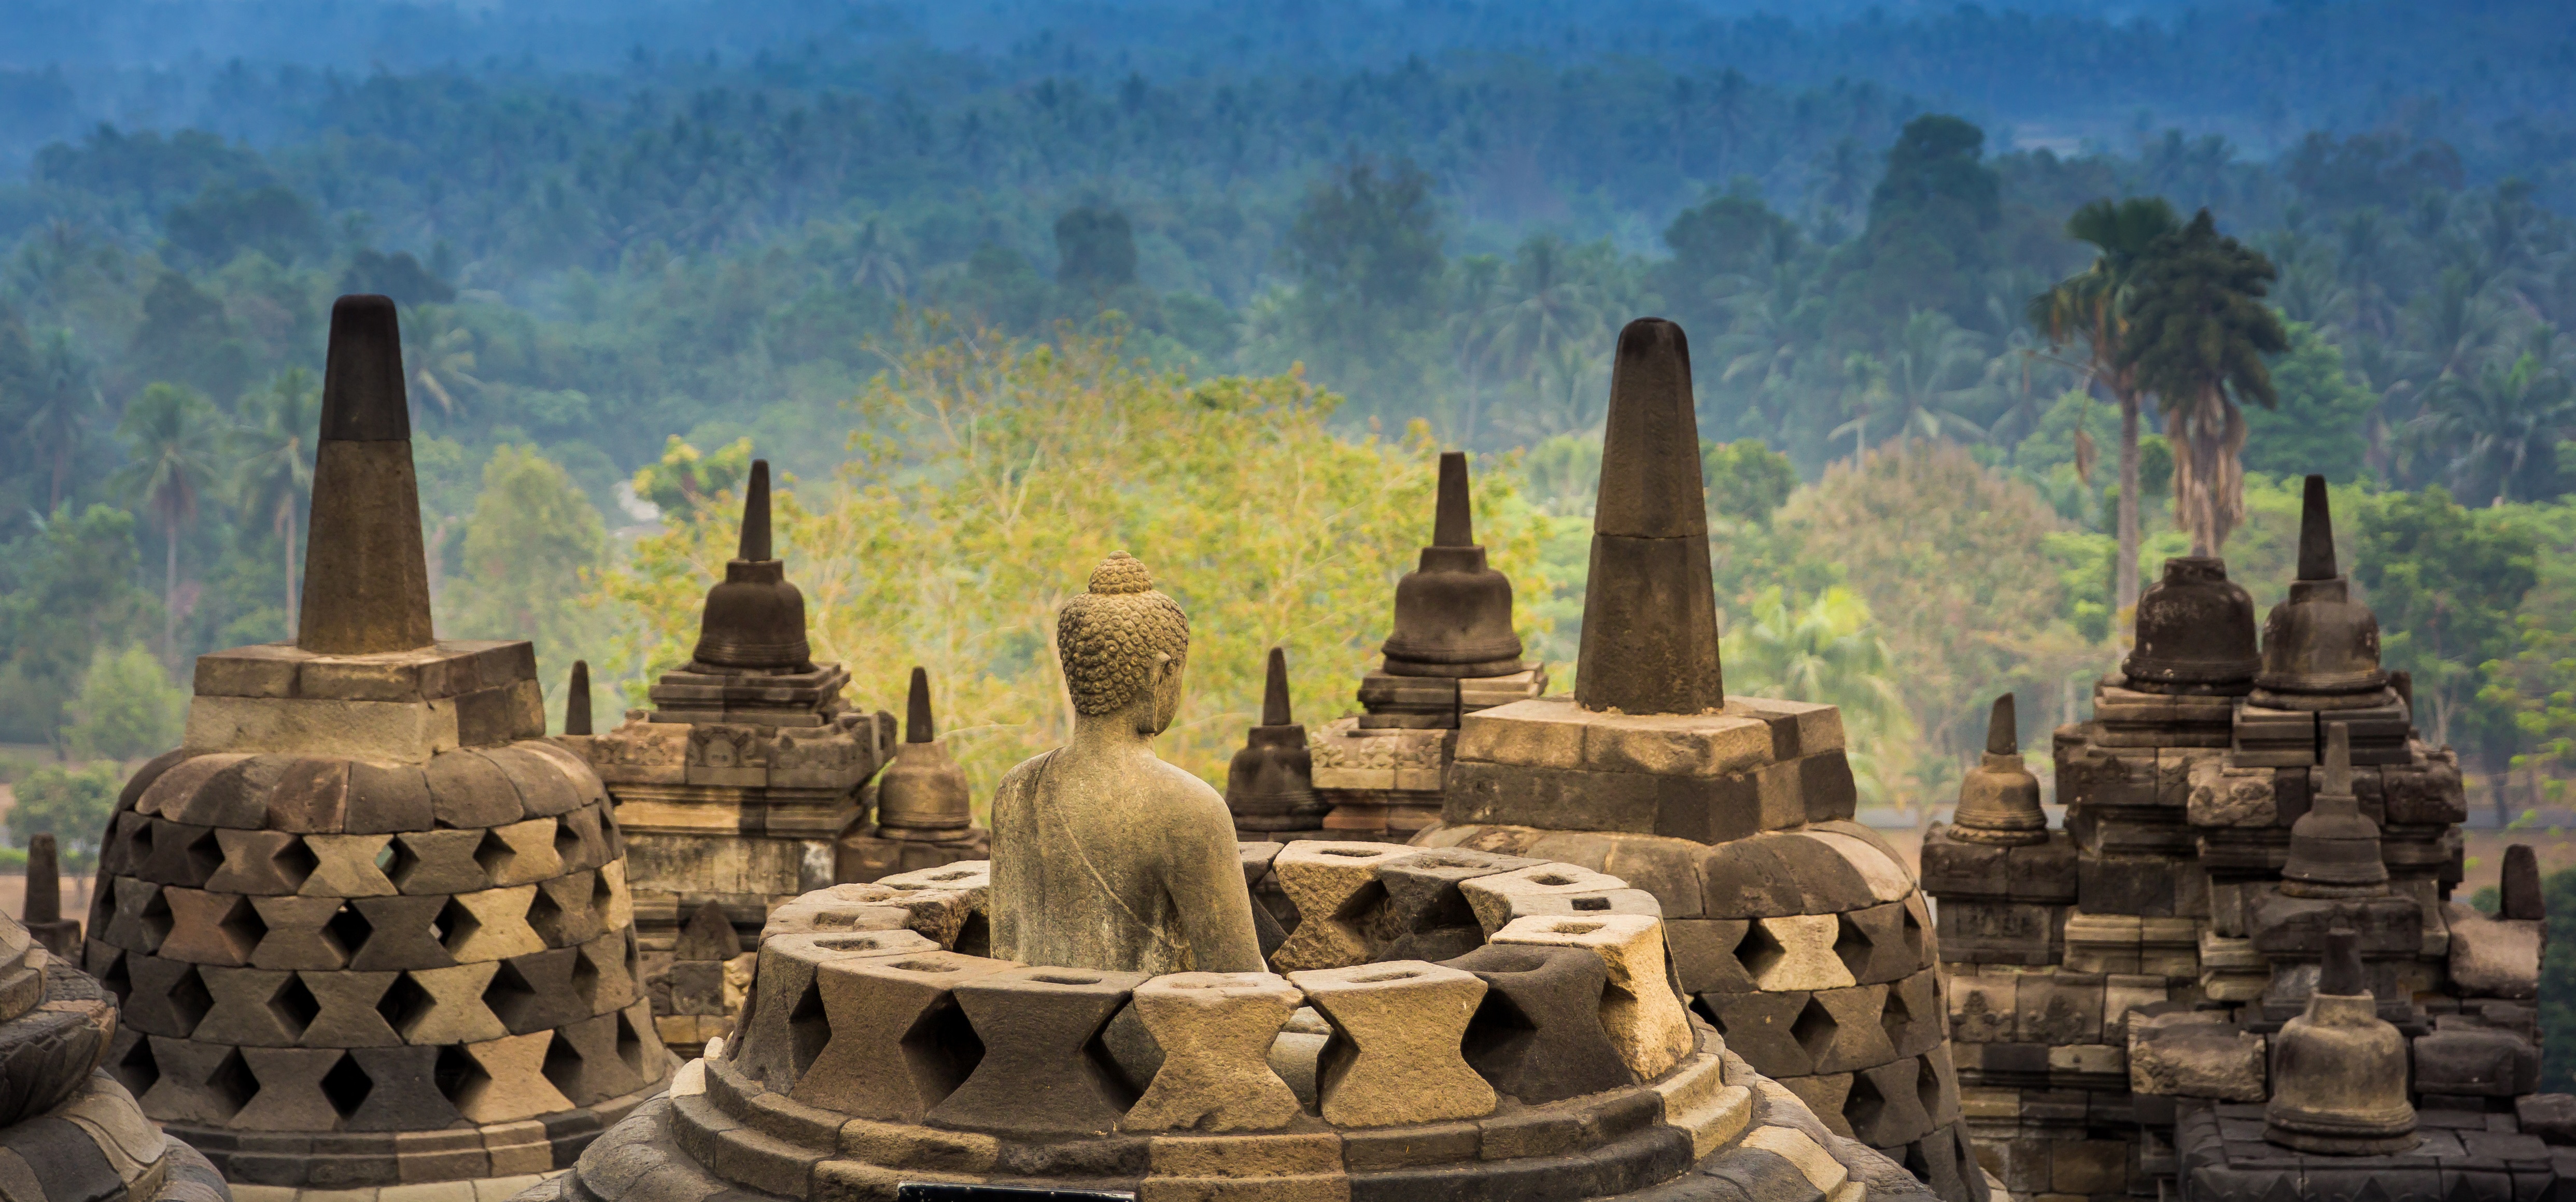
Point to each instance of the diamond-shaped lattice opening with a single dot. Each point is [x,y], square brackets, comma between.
[189,1000]
[347,1086]
[454,925]
[601,896]
[137,1069]
[242,927]
[1896,1019]
[138,843]
[512,999]
[294,1005]
[1815,1028]
[1927,1086]
[1916,1162]
[459,1077]
[404,1003]
[1851,945]
[347,932]
[117,979]
[808,1030]
[567,843]
[231,1086]
[634,957]
[397,861]
[546,918]
[563,1068]
[295,862]
[155,920]
[630,1044]
[1864,1105]
[1913,936]
[494,853]
[205,854]
[585,979]
[1758,951]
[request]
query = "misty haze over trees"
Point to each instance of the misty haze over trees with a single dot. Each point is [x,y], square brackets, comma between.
[636,245]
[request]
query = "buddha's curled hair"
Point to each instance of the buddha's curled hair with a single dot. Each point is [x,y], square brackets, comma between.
[1107,637]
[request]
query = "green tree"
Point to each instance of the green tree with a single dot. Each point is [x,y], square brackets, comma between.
[1746,481]
[1931,222]
[2446,583]
[171,435]
[2322,423]
[1095,249]
[1364,253]
[2092,306]
[2503,423]
[2198,334]
[530,546]
[65,588]
[54,414]
[685,478]
[273,463]
[127,707]
[71,804]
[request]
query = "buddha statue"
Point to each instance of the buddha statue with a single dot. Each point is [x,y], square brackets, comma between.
[1105,857]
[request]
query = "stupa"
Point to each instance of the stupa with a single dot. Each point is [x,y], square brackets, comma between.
[1270,785]
[1141,1047]
[42,912]
[925,816]
[370,927]
[1453,652]
[736,785]
[1798,932]
[2236,975]
[68,1130]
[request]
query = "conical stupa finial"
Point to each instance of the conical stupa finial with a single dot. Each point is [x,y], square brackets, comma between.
[755,514]
[1274,691]
[1454,525]
[2338,761]
[2316,533]
[1650,608]
[44,881]
[577,700]
[917,727]
[2340,975]
[366,575]
[2003,729]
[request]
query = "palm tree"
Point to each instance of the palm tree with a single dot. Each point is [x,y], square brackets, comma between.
[1918,385]
[169,434]
[2503,421]
[2198,331]
[2092,305]
[59,409]
[273,456]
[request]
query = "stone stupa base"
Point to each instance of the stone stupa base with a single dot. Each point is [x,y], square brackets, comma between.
[462,1164]
[1383,785]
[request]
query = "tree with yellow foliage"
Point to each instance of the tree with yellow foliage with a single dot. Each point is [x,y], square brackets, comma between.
[988,476]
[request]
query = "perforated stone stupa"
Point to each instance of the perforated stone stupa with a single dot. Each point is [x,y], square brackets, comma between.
[2237,973]
[735,786]
[369,926]
[1798,932]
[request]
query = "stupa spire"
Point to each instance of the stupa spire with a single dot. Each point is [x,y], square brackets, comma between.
[1274,691]
[366,574]
[577,699]
[2316,533]
[1650,608]
[918,726]
[755,515]
[2003,729]
[1453,525]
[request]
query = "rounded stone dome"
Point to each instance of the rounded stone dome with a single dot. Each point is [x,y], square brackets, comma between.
[2195,631]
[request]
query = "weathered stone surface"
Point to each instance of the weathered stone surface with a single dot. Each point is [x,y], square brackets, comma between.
[1644,1020]
[894,1044]
[1335,889]
[1043,1070]
[1394,1056]
[1215,1032]
[1492,897]
[1424,910]
[2493,957]
[2188,1054]
[1537,1035]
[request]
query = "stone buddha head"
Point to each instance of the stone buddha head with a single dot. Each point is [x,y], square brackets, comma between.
[1124,646]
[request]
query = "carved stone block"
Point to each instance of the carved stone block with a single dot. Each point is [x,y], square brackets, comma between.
[1044,1070]
[1644,1019]
[1215,1031]
[1394,1055]
[896,1044]
[1537,1033]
